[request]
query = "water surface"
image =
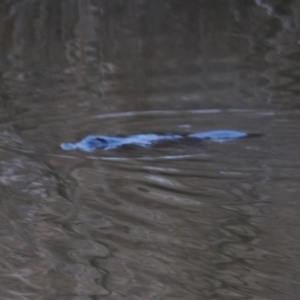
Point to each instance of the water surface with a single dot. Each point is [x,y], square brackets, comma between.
[175,221]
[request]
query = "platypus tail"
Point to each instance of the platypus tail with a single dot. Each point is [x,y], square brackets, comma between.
[251,135]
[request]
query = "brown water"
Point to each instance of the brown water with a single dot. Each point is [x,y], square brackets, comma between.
[175,221]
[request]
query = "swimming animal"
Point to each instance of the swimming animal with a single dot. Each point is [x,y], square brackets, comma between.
[94,142]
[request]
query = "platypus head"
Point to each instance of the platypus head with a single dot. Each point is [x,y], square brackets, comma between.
[94,142]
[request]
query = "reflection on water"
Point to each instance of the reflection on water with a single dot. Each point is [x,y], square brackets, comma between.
[139,55]
[174,221]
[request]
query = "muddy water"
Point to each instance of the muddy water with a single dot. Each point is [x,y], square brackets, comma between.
[175,221]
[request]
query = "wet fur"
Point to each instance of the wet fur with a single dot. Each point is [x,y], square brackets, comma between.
[94,142]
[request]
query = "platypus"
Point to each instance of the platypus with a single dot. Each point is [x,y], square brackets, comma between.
[94,142]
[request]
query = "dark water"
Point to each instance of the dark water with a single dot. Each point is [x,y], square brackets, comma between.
[175,221]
